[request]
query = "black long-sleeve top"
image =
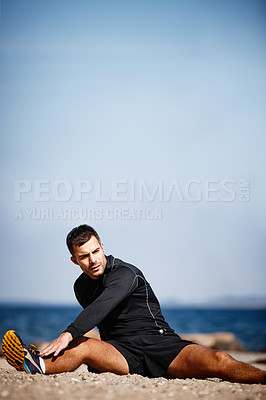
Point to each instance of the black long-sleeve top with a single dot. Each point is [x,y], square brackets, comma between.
[120,303]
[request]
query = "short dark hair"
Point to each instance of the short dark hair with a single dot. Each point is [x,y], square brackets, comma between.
[80,235]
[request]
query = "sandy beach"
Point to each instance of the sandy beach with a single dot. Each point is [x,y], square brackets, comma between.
[82,385]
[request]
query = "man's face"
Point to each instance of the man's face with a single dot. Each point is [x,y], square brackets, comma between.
[90,257]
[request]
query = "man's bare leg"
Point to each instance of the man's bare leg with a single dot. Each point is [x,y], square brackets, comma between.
[196,361]
[96,353]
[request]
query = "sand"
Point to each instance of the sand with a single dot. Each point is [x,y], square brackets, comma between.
[82,385]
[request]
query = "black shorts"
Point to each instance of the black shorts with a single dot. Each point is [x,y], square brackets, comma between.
[149,355]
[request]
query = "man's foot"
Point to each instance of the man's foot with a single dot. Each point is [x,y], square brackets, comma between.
[22,357]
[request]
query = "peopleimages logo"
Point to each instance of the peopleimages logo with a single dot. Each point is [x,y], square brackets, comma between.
[131,190]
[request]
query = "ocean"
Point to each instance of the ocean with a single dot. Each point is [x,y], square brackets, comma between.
[39,322]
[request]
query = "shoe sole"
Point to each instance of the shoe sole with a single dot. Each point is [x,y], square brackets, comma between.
[13,350]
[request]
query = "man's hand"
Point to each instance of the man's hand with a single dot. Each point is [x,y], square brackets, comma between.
[57,345]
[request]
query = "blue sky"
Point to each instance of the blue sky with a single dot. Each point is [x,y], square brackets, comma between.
[121,94]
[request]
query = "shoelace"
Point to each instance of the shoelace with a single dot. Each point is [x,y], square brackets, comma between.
[33,349]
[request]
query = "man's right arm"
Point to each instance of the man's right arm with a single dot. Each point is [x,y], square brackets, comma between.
[65,338]
[57,345]
[120,284]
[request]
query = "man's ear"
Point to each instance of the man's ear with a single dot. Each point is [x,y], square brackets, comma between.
[102,246]
[74,260]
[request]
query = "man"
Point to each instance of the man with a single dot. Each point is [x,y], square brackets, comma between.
[135,337]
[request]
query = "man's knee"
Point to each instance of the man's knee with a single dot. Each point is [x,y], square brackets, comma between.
[83,347]
[222,359]
[77,342]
